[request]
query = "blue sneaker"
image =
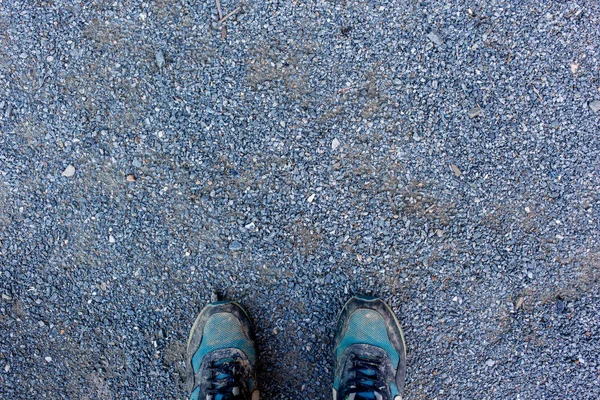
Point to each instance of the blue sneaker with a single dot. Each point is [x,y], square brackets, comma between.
[220,357]
[369,352]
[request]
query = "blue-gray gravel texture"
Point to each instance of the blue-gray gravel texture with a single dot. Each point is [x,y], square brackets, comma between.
[444,155]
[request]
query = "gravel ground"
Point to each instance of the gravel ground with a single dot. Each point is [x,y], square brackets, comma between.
[443,155]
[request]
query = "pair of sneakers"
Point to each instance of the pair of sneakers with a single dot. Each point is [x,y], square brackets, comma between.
[369,353]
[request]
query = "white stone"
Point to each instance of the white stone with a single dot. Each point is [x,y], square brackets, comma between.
[335,144]
[69,171]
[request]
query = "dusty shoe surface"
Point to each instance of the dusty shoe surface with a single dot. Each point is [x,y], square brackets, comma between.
[220,356]
[369,352]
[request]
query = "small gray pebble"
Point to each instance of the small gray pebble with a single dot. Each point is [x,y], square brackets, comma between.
[475,112]
[160,59]
[560,306]
[435,38]
[235,246]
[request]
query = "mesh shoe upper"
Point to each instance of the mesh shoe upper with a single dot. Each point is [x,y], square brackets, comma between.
[220,355]
[370,356]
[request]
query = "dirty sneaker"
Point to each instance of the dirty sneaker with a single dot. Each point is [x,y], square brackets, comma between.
[220,357]
[369,352]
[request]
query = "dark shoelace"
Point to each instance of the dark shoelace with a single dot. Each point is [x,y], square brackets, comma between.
[366,381]
[225,380]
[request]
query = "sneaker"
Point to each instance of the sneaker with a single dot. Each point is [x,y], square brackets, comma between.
[369,352]
[220,357]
